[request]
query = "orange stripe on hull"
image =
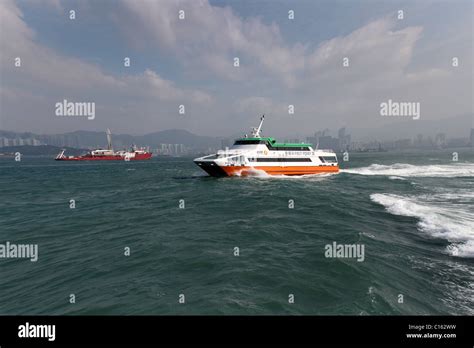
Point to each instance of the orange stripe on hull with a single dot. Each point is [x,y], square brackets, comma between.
[277,170]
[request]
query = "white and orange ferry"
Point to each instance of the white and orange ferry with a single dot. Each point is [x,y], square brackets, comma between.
[250,155]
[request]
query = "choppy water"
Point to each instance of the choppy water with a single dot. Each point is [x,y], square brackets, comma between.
[413,213]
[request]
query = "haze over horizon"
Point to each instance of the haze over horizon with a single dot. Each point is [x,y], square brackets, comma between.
[389,132]
[283,62]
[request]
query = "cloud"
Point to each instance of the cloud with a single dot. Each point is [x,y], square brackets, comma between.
[381,55]
[256,106]
[380,68]
[385,62]
[375,48]
[211,37]
[45,76]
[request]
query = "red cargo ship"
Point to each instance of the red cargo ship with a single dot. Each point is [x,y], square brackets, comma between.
[134,154]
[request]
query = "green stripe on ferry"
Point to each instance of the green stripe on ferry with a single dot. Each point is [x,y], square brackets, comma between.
[273,142]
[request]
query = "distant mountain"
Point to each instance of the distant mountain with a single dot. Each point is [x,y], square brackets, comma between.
[41,150]
[88,139]
[179,136]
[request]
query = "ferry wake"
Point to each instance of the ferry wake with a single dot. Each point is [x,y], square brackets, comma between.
[257,153]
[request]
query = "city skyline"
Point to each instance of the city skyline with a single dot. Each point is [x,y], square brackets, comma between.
[339,140]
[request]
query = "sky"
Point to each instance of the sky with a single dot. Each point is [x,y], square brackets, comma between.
[190,62]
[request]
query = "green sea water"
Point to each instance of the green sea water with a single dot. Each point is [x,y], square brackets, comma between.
[412,212]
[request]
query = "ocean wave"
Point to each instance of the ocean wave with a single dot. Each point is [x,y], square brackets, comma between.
[462,250]
[441,220]
[307,177]
[392,177]
[410,170]
[458,195]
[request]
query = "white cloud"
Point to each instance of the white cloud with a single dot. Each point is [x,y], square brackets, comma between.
[48,75]
[211,37]
[385,62]
[256,106]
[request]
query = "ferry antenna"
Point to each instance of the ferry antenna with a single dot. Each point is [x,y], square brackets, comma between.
[256,131]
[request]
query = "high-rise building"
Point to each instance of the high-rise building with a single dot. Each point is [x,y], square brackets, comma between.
[341,133]
[344,139]
[419,140]
[440,140]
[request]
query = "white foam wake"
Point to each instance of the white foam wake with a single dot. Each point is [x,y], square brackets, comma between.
[253,172]
[410,170]
[442,220]
[392,177]
[259,173]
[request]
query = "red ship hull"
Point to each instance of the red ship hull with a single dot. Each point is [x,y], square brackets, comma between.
[137,157]
[134,154]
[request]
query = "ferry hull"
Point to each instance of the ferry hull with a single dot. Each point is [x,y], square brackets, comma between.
[221,171]
[212,169]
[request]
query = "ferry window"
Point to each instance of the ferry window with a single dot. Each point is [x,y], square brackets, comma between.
[288,148]
[329,159]
[249,142]
[283,159]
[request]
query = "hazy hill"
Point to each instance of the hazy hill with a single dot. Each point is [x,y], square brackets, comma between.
[41,150]
[88,139]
